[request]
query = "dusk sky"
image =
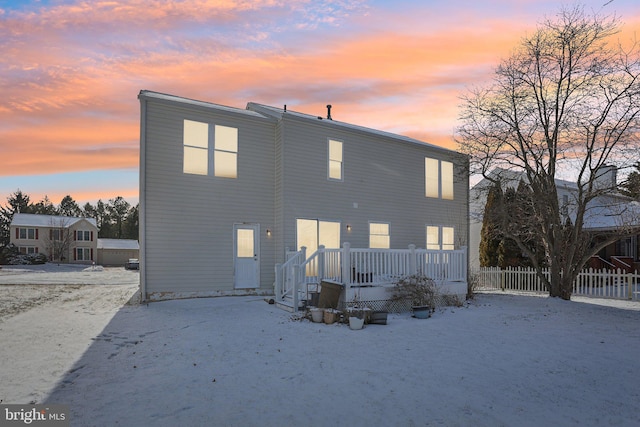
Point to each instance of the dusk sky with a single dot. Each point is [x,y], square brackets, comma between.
[71,70]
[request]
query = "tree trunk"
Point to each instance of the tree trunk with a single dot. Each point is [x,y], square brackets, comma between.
[555,280]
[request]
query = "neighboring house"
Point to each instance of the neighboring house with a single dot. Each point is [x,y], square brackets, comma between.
[60,238]
[226,192]
[117,252]
[606,212]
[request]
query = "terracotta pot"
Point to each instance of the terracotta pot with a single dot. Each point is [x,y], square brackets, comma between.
[330,316]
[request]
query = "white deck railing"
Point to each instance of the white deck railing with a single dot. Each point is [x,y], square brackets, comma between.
[369,267]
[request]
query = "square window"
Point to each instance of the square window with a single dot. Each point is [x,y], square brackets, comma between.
[379,235]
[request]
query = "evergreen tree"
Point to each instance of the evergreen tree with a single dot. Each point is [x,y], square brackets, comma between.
[103,219]
[45,207]
[131,224]
[490,234]
[631,186]
[69,207]
[17,202]
[118,209]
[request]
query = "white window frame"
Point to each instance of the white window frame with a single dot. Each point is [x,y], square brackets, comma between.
[376,235]
[225,150]
[195,147]
[83,254]
[212,151]
[83,235]
[335,160]
[438,179]
[29,233]
[441,233]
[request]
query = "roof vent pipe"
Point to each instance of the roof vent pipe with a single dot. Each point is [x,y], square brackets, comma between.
[329,112]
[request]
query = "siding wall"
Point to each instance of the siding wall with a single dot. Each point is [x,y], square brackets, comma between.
[383,182]
[188,223]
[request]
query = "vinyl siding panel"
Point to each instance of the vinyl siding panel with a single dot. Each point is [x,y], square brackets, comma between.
[189,219]
[383,177]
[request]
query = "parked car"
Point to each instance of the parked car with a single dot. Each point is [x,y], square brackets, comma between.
[132,264]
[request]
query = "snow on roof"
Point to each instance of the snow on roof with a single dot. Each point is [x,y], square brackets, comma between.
[278,113]
[122,244]
[605,213]
[37,220]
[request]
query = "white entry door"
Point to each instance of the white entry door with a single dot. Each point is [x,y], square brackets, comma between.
[247,255]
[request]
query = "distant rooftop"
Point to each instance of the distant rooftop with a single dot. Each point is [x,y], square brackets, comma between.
[122,244]
[37,220]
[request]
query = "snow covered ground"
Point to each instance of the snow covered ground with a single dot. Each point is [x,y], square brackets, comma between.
[503,360]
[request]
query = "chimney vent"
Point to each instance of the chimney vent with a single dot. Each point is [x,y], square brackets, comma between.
[329,112]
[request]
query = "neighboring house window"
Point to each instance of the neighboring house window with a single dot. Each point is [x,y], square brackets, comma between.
[440,238]
[438,178]
[198,153]
[25,250]
[83,254]
[83,235]
[27,233]
[379,235]
[56,234]
[335,165]
[226,152]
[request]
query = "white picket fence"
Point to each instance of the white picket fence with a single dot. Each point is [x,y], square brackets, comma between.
[603,283]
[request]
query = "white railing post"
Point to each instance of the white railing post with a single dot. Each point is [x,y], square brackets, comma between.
[278,286]
[346,267]
[413,260]
[320,263]
[296,275]
[465,265]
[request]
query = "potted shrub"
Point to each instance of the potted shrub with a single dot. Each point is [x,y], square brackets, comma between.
[420,290]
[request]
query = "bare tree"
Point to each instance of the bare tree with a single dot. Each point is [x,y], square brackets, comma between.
[59,239]
[567,100]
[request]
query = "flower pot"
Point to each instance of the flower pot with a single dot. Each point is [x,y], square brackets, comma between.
[355,323]
[330,316]
[316,314]
[378,318]
[421,312]
[360,312]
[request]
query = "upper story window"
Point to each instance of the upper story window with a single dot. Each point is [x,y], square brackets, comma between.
[379,235]
[201,157]
[196,147]
[57,234]
[438,178]
[440,238]
[226,152]
[83,235]
[27,233]
[335,165]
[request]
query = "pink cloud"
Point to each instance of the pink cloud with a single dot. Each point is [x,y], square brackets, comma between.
[69,79]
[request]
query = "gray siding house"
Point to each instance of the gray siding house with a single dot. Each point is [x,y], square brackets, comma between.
[227,193]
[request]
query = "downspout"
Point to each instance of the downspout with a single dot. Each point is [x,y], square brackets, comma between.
[141,198]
